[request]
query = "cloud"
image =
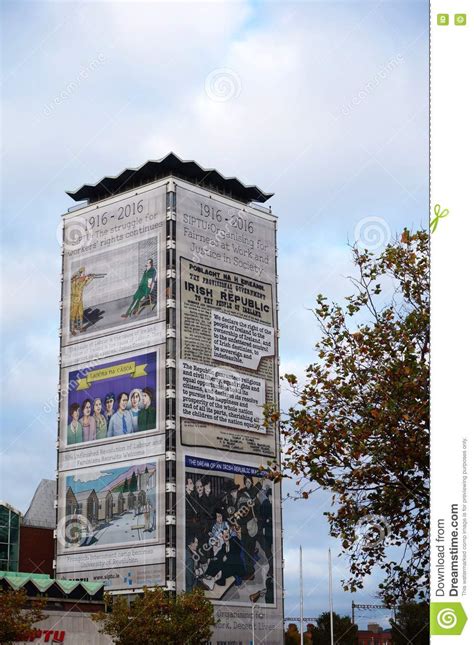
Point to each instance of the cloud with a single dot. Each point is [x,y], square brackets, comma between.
[90,477]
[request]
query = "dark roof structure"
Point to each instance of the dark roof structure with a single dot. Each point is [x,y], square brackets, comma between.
[171,165]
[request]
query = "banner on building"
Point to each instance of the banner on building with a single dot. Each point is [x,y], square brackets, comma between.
[125,568]
[131,577]
[113,451]
[109,507]
[111,400]
[227,367]
[95,349]
[113,264]
[229,550]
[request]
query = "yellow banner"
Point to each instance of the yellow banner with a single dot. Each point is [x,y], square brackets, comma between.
[130,369]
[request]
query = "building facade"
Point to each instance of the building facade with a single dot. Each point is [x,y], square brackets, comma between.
[27,541]
[169,361]
[9,537]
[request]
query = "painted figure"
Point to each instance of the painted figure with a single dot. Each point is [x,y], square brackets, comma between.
[100,420]
[135,405]
[121,422]
[79,282]
[74,429]
[145,288]
[88,421]
[109,407]
[147,415]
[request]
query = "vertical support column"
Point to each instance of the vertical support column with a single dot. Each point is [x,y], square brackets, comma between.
[170,370]
[58,439]
[277,427]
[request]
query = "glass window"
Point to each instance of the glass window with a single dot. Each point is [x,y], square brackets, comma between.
[3,551]
[4,522]
[13,552]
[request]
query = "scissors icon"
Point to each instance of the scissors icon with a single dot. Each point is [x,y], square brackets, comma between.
[439,214]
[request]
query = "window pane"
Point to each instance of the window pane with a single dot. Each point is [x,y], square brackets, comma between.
[4,518]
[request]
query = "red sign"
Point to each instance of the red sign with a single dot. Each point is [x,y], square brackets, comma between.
[46,635]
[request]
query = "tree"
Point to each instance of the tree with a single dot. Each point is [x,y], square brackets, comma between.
[361,425]
[412,624]
[345,633]
[16,617]
[156,617]
[125,486]
[133,486]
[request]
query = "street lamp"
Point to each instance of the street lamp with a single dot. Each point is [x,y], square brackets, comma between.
[254,599]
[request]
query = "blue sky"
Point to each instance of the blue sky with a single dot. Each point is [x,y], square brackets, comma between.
[326,105]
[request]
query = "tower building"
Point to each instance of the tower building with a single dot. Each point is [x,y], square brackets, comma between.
[169,359]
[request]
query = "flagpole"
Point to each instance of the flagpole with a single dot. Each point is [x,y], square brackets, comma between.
[301,595]
[330,598]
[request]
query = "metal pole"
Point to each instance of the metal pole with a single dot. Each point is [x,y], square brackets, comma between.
[301,595]
[253,624]
[330,599]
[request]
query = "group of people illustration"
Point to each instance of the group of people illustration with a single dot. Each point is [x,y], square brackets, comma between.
[228,534]
[114,416]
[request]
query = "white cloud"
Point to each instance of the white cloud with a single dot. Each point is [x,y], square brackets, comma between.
[89,477]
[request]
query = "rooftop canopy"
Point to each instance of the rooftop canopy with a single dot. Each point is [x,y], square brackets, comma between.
[151,171]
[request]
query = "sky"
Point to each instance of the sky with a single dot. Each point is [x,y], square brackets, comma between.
[323,103]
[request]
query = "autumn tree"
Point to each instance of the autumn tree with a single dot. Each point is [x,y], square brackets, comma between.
[18,615]
[360,427]
[157,617]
